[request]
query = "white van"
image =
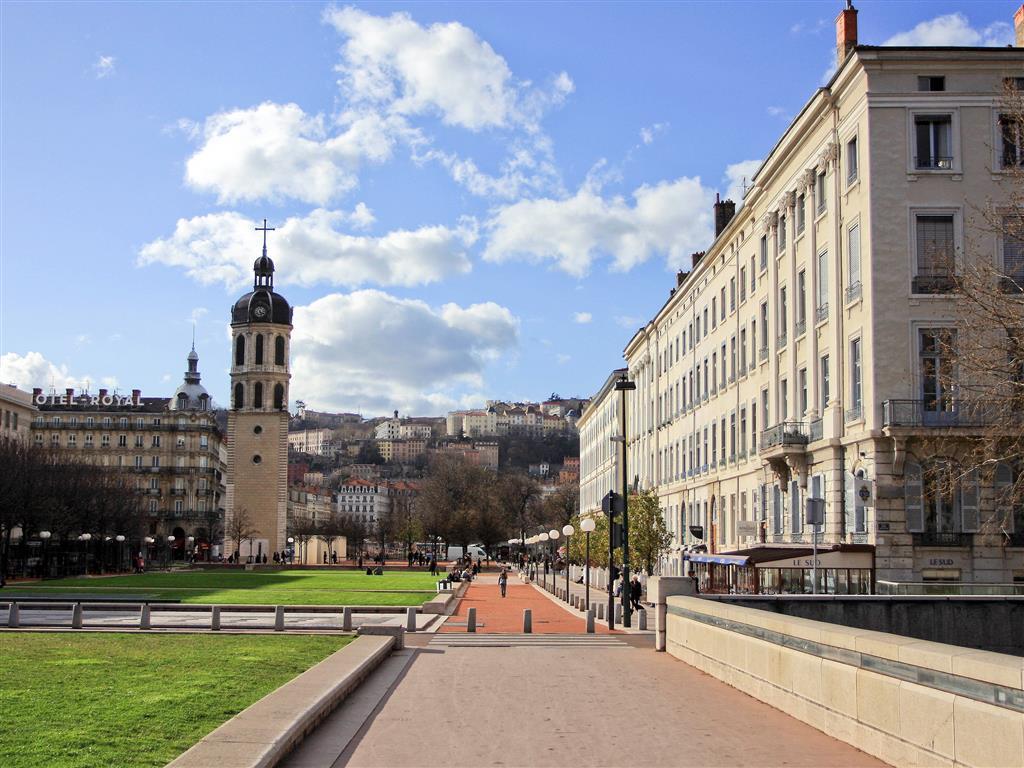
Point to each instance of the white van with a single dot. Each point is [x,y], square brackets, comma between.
[475,551]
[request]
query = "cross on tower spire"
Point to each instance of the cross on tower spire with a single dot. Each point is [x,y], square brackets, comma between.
[264,229]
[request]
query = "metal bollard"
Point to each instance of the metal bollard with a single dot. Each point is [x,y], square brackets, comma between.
[471,620]
[215,618]
[590,621]
[410,619]
[346,619]
[618,613]
[600,611]
[14,616]
[145,620]
[642,613]
[76,616]
[279,618]
[527,621]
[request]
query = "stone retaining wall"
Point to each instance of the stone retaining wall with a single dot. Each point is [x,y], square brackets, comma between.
[906,701]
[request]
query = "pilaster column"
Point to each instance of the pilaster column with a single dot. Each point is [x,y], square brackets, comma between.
[811,233]
[771,224]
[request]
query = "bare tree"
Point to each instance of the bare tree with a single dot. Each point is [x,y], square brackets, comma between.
[240,528]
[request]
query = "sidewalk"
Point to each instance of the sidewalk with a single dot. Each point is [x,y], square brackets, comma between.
[498,615]
[596,596]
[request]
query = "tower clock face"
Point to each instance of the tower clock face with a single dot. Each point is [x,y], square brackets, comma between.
[259,311]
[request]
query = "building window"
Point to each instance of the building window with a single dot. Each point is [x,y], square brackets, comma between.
[279,350]
[179,506]
[764,329]
[88,441]
[721,304]
[714,312]
[106,421]
[851,161]
[931,83]
[1013,253]
[801,302]
[105,441]
[853,289]
[240,350]
[1011,135]
[743,431]
[156,441]
[138,462]
[155,462]
[753,277]
[764,251]
[782,234]
[122,441]
[72,439]
[743,284]
[783,318]
[138,441]
[743,351]
[239,399]
[825,383]
[783,400]
[732,294]
[153,506]
[935,246]
[259,349]
[801,213]
[937,372]
[933,136]
[854,411]
[821,300]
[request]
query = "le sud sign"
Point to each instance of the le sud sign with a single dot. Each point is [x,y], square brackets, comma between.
[88,400]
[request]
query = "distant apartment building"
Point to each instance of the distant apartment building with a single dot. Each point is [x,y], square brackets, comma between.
[396,428]
[798,358]
[367,501]
[569,474]
[317,442]
[403,451]
[599,456]
[16,412]
[477,453]
[501,419]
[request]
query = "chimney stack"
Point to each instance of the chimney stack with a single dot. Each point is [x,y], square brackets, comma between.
[724,211]
[1018,26]
[697,257]
[680,277]
[36,392]
[846,32]
[136,396]
[70,392]
[103,393]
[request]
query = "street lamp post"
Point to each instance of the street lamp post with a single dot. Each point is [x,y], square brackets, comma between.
[291,549]
[189,544]
[553,534]
[85,537]
[170,550]
[567,531]
[587,526]
[623,385]
[45,536]
[120,551]
[541,538]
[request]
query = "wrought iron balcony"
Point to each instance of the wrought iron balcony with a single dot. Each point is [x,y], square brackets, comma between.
[945,413]
[781,341]
[936,282]
[822,313]
[817,431]
[942,539]
[933,163]
[853,292]
[801,327]
[854,413]
[785,433]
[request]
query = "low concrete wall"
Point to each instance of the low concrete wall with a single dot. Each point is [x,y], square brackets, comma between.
[988,623]
[906,701]
[261,735]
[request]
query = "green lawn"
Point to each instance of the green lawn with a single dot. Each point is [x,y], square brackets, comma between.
[247,587]
[133,699]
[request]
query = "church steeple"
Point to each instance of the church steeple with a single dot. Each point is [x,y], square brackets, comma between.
[263,267]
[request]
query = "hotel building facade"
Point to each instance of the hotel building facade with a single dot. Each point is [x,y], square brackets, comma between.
[796,359]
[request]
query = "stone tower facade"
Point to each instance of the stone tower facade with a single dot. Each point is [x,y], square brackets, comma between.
[261,324]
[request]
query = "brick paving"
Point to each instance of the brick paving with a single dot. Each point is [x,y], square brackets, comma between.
[497,615]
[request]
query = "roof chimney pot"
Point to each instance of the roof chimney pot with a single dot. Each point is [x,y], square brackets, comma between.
[846,32]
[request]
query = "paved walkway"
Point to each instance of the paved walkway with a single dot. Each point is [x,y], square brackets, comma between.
[495,614]
[580,701]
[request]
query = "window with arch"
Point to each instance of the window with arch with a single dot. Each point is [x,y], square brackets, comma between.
[182,401]
[257,395]
[239,401]
[259,349]
[240,350]
[279,350]
[279,397]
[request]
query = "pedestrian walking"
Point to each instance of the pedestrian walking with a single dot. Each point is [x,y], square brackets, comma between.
[635,591]
[503,581]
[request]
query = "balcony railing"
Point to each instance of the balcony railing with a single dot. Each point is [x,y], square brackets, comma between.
[929,163]
[853,292]
[942,539]
[801,327]
[937,282]
[816,431]
[945,413]
[822,313]
[781,341]
[853,413]
[786,433]
[763,354]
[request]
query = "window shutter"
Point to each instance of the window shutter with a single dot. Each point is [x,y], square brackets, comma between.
[776,509]
[969,501]
[1001,502]
[848,521]
[796,516]
[912,493]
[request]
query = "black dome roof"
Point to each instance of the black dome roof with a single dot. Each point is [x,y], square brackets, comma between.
[262,306]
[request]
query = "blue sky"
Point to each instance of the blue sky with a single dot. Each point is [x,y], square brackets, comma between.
[473,200]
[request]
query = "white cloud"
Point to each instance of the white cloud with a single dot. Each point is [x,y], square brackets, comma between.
[394,64]
[630,322]
[104,67]
[221,247]
[197,314]
[562,358]
[648,133]
[951,30]
[373,351]
[736,176]
[277,151]
[777,112]
[582,317]
[672,218]
[34,370]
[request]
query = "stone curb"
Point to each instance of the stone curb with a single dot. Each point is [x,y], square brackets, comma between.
[261,735]
[202,607]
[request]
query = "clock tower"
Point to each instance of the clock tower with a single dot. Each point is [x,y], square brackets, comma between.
[257,481]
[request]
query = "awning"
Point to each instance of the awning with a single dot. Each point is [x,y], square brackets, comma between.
[694,557]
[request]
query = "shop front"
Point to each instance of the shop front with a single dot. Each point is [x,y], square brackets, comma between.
[844,569]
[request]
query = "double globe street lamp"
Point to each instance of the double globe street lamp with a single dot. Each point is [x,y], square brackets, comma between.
[587,525]
[567,531]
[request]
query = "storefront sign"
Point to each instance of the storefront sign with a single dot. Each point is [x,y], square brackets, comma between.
[746,527]
[825,560]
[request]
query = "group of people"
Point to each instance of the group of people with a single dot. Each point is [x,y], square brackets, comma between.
[279,557]
[636,591]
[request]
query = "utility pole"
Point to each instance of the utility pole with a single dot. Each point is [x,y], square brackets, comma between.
[623,384]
